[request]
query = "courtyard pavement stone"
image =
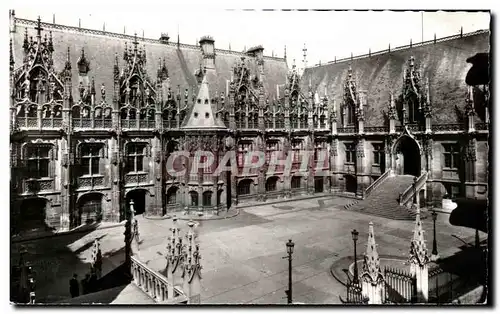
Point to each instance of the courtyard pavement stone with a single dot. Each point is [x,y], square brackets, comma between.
[242,256]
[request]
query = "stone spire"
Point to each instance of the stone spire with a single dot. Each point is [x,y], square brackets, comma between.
[202,115]
[371,264]
[418,250]
[192,268]
[372,279]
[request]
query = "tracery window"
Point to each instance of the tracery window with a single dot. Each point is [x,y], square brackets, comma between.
[243,148]
[451,156]
[147,118]
[378,154]
[271,147]
[350,153]
[349,113]
[38,160]
[135,157]
[90,158]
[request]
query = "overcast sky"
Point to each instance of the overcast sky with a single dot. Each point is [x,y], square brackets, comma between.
[326,34]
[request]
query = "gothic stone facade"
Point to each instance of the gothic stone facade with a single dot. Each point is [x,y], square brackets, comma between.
[91,131]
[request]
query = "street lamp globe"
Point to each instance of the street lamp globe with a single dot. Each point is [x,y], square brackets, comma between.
[289,246]
[355,235]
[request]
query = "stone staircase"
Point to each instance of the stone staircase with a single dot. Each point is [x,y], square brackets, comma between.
[383,201]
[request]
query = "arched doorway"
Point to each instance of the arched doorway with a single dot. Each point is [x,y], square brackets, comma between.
[89,209]
[271,184]
[244,187]
[318,184]
[407,157]
[193,199]
[207,199]
[139,198]
[351,184]
[172,196]
[32,215]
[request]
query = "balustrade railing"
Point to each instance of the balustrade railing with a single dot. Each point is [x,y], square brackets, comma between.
[90,181]
[412,189]
[481,126]
[136,178]
[154,284]
[349,130]
[38,185]
[23,122]
[375,129]
[376,183]
[448,127]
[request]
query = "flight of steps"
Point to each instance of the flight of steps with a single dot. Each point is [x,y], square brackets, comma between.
[383,200]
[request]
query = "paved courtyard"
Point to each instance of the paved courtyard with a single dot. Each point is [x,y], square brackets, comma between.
[242,256]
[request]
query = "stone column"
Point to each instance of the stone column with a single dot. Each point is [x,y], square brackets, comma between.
[419,260]
[360,166]
[372,279]
[192,268]
[134,245]
[392,115]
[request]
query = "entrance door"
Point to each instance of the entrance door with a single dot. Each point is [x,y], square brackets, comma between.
[139,198]
[89,209]
[351,185]
[410,153]
[318,185]
[32,215]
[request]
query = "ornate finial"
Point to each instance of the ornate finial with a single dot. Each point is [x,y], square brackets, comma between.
[11,56]
[92,86]
[39,28]
[51,45]
[418,249]
[67,66]
[103,92]
[412,61]
[284,55]
[371,264]
[25,43]
[135,42]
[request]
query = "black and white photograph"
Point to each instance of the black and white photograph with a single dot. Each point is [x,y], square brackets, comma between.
[248,157]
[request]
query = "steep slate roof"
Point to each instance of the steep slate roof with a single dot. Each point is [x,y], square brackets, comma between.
[100,48]
[202,114]
[443,62]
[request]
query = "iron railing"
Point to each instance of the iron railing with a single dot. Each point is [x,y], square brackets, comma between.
[400,287]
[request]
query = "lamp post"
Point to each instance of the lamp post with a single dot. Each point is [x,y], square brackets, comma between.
[434,242]
[355,234]
[289,250]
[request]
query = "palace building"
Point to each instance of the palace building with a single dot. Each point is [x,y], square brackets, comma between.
[96,115]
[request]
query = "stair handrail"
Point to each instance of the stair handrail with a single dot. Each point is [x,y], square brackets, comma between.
[376,183]
[411,190]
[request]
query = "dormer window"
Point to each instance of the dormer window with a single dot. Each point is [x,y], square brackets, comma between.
[207,115]
[206,101]
[199,101]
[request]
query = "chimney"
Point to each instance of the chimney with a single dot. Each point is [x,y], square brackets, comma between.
[208,51]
